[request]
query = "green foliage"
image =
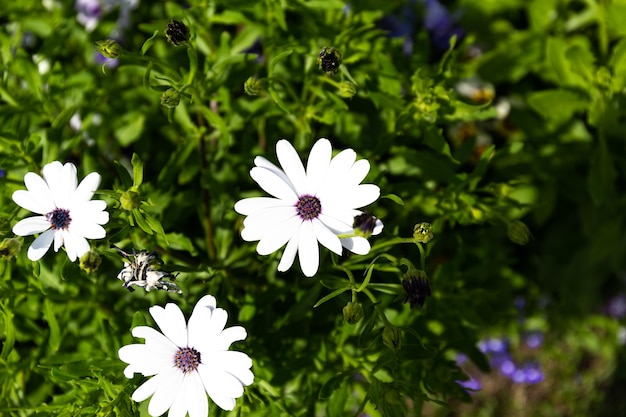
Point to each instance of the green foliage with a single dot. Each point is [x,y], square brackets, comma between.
[519,181]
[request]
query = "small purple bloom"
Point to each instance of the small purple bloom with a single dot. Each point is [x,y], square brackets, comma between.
[532,373]
[508,368]
[519,302]
[461,358]
[616,306]
[471,384]
[534,339]
[3,173]
[519,376]
[440,24]
[496,345]
[102,60]
[89,13]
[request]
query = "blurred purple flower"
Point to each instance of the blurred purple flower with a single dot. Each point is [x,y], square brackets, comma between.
[440,24]
[534,339]
[461,358]
[471,384]
[532,373]
[402,24]
[616,306]
[89,13]
[507,367]
[102,60]
[518,376]
[3,173]
[256,48]
[493,345]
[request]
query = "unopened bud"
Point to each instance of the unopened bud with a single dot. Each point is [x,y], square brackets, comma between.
[252,86]
[518,232]
[9,247]
[353,312]
[170,98]
[347,89]
[177,33]
[108,48]
[329,60]
[364,224]
[90,262]
[416,287]
[392,338]
[423,232]
[130,200]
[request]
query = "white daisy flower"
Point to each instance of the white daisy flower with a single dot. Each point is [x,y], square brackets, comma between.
[318,205]
[69,216]
[188,361]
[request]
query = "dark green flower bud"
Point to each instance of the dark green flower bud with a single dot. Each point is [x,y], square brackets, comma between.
[392,338]
[423,232]
[416,287]
[353,312]
[9,247]
[170,98]
[90,262]
[364,224]
[252,86]
[329,60]
[108,48]
[177,33]
[130,200]
[347,89]
[518,232]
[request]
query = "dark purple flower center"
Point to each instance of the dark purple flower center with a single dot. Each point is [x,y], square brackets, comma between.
[308,207]
[187,359]
[59,218]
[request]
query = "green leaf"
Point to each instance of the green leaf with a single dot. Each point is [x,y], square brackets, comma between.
[149,42]
[130,127]
[331,296]
[393,198]
[123,174]
[141,222]
[9,331]
[557,106]
[137,170]
[601,180]
[332,384]
[55,332]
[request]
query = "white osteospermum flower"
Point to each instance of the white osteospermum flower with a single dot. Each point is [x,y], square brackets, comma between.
[318,205]
[188,361]
[69,216]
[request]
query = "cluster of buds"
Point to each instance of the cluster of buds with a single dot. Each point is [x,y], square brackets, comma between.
[329,60]
[177,33]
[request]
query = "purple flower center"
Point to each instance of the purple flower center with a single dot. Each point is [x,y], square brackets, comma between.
[59,218]
[308,207]
[187,359]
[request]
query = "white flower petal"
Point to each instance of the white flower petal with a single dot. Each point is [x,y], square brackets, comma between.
[267,221]
[31,225]
[85,189]
[196,328]
[222,387]
[308,250]
[341,164]
[337,226]
[317,165]
[291,164]
[237,364]
[378,227]
[37,202]
[155,340]
[274,185]
[364,195]
[251,205]
[75,245]
[325,237]
[171,321]
[41,245]
[149,387]
[166,392]
[229,336]
[191,398]
[61,180]
[357,244]
[87,229]
[208,301]
[143,360]
[289,254]
[357,172]
[261,162]
[271,242]
[217,323]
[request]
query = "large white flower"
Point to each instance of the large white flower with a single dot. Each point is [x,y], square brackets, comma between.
[318,205]
[69,216]
[188,361]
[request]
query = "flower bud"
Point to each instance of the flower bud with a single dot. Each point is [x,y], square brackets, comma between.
[518,232]
[170,98]
[347,89]
[353,312]
[329,60]
[392,338]
[90,262]
[423,232]
[364,224]
[108,48]
[252,86]
[130,200]
[416,287]
[9,247]
[177,33]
